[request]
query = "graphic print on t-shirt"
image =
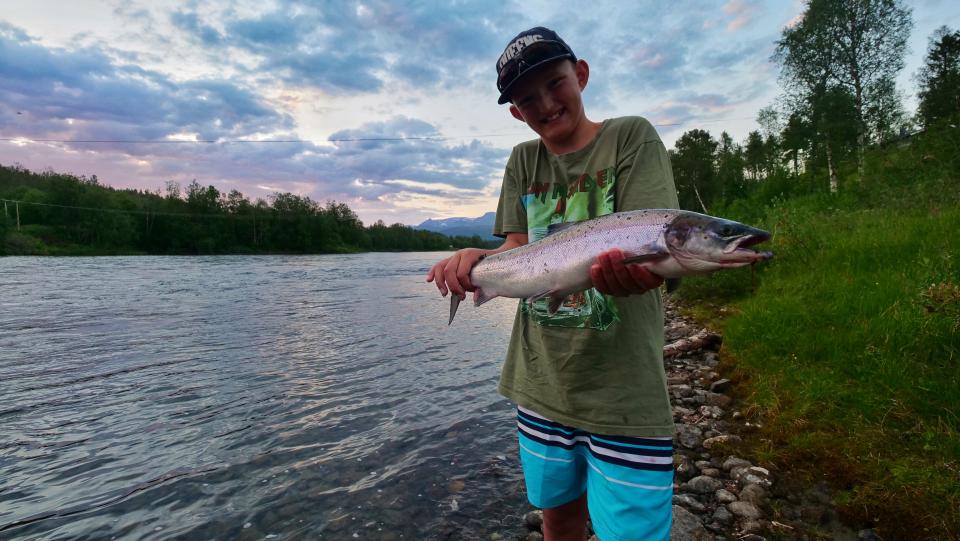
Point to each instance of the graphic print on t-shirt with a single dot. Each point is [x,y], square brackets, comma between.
[587,196]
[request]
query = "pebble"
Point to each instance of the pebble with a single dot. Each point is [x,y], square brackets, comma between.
[726,439]
[702,485]
[534,519]
[720,386]
[744,510]
[689,502]
[725,496]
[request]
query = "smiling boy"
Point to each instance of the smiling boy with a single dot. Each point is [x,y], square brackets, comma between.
[594,420]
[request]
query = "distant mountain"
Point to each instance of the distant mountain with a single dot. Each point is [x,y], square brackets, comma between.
[467,227]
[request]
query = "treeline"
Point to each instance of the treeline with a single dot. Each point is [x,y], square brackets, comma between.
[838,65]
[65,214]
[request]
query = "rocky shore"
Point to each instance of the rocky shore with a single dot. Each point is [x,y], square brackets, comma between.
[718,494]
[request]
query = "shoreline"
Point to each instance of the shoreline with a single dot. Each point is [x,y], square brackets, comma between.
[718,494]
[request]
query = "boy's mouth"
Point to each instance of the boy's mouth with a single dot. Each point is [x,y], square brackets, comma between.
[553,117]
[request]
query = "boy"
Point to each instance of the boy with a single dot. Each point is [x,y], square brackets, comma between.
[594,420]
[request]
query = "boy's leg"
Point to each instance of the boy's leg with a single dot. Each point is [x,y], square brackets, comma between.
[630,487]
[567,522]
[555,474]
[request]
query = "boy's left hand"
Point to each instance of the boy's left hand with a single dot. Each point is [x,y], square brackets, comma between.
[612,277]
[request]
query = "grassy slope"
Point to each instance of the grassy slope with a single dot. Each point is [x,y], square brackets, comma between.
[849,343]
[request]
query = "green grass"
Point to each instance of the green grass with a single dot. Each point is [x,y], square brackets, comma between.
[847,345]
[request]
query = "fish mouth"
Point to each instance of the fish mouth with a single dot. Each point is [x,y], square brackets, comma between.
[739,248]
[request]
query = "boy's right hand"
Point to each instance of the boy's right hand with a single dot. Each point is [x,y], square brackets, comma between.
[453,273]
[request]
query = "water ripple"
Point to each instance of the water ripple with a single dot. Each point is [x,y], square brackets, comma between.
[214,397]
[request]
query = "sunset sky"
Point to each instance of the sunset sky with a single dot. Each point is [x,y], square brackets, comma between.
[337,76]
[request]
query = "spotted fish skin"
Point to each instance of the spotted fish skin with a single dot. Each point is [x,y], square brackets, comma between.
[670,243]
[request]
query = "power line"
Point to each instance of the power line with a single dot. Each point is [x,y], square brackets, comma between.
[273,213]
[314,141]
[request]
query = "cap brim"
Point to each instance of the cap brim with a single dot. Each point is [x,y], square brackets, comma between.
[505,94]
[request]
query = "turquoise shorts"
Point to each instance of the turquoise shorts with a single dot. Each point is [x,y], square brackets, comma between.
[628,481]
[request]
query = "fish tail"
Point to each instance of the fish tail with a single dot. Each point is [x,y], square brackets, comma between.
[454,304]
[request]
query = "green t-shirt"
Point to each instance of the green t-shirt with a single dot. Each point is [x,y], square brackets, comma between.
[597,364]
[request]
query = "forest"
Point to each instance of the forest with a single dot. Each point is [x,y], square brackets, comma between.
[49,213]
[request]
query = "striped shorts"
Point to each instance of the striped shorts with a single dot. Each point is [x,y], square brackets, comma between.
[628,480]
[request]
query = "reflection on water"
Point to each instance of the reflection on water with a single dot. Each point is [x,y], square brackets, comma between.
[250,397]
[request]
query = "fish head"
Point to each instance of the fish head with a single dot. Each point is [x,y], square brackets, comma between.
[704,244]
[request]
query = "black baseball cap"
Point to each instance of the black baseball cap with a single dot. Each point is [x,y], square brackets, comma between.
[529,50]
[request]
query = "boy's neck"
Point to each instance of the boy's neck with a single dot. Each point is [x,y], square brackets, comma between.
[585,132]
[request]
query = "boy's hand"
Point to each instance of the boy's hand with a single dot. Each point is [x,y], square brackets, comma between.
[612,277]
[453,273]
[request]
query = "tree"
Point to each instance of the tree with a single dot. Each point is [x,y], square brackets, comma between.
[694,169]
[796,138]
[855,44]
[940,78]
[730,166]
[753,154]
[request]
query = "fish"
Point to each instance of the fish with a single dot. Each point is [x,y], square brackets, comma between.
[670,243]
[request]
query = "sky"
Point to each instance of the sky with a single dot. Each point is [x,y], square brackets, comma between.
[389,107]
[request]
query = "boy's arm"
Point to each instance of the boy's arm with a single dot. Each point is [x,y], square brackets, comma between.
[453,273]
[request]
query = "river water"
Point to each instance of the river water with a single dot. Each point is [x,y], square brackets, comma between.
[250,397]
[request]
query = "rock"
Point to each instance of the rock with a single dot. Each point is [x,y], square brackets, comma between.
[726,439]
[712,412]
[724,496]
[716,399]
[687,527]
[735,462]
[683,391]
[689,502]
[710,359]
[534,536]
[744,510]
[534,520]
[754,494]
[702,485]
[689,436]
[753,475]
[750,527]
[720,386]
[681,412]
[684,467]
[868,535]
[723,516]
[710,472]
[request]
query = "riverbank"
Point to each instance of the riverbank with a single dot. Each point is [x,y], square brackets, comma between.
[721,491]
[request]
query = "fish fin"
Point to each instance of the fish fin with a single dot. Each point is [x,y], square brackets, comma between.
[555,303]
[654,253]
[672,284]
[537,296]
[480,297]
[558,227]
[454,303]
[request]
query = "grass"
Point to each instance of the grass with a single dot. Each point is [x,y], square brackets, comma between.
[848,344]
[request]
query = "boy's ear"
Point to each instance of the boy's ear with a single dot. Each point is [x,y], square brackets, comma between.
[516,113]
[582,70]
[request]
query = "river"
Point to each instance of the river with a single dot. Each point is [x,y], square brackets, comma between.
[250,397]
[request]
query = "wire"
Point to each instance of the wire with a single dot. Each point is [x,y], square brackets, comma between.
[269,211]
[313,141]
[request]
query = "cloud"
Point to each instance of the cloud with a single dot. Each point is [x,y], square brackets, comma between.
[83,94]
[741,13]
[345,48]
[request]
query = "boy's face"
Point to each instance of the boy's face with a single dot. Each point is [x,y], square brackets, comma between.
[549,99]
